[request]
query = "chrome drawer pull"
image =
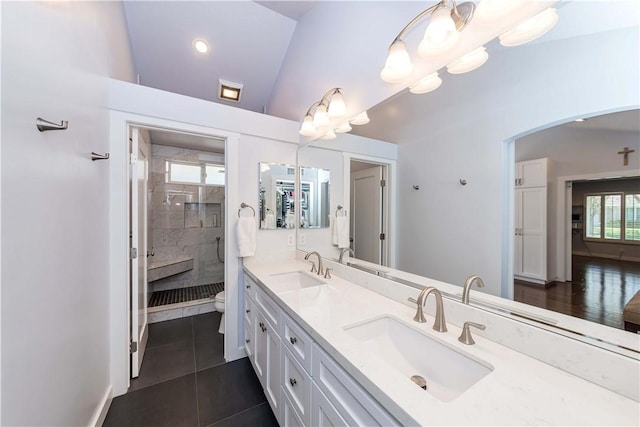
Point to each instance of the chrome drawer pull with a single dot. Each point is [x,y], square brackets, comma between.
[248,286]
[248,311]
[293,340]
[247,340]
[293,381]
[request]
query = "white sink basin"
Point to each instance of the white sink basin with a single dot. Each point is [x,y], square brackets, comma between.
[447,371]
[293,281]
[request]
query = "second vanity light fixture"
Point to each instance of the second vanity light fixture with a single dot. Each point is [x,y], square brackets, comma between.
[447,20]
[328,116]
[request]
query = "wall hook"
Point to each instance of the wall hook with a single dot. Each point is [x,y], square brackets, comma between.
[416,187]
[463,182]
[95,156]
[45,125]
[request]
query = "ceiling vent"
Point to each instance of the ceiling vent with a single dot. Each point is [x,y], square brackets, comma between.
[229,91]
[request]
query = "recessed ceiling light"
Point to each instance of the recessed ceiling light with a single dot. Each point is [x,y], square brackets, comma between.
[200,46]
[581,120]
[229,91]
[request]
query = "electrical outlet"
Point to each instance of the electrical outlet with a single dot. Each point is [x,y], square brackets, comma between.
[291,239]
[302,239]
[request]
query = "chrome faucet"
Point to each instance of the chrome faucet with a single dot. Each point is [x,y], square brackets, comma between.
[343,251]
[467,287]
[320,271]
[440,324]
[465,337]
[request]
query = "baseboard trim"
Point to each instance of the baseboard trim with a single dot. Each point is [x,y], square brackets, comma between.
[100,413]
[624,258]
[531,280]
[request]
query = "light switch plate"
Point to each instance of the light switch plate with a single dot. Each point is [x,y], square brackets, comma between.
[291,239]
[302,239]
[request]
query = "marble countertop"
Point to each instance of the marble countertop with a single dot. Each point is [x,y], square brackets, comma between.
[519,391]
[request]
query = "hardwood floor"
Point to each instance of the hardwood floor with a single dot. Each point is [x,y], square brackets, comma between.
[598,292]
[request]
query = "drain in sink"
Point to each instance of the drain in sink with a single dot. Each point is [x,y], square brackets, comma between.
[422,383]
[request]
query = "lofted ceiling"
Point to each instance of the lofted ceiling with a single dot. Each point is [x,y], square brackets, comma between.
[287,53]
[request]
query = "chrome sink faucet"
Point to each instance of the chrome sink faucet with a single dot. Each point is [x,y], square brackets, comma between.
[343,251]
[467,287]
[320,270]
[440,324]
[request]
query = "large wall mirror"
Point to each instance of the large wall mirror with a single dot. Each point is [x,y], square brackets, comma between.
[458,148]
[277,204]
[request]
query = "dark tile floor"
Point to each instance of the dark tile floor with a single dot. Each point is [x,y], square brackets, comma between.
[598,292]
[184,381]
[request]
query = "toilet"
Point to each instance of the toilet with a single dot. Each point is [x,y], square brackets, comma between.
[219,305]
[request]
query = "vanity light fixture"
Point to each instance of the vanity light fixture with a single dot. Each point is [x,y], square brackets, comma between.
[229,91]
[469,62]
[442,33]
[360,119]
[490,11]
[426,84]
[530,29]
[327,117]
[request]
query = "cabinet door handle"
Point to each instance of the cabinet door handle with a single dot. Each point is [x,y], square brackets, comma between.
[248,311]
[248,286]
[247,340]
[293,340]
[293,381]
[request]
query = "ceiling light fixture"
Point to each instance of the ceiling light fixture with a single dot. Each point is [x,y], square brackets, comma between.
[442,33]
[229,91]
[530,29]
[360,119]
[490,11]
[200,46]
[327,117]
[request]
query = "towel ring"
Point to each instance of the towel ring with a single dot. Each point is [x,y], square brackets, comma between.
[244,205]
[338,209]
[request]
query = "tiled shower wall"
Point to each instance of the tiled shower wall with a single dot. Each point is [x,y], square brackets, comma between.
[186,219]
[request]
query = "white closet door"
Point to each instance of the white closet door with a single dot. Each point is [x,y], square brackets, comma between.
[531,243]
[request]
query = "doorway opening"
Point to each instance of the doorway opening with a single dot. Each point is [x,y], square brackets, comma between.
[369,213]
[176,231]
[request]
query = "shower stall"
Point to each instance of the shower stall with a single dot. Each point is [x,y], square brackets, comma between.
[186,231]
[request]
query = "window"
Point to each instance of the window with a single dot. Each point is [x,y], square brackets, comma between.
[194,173]
[612,217]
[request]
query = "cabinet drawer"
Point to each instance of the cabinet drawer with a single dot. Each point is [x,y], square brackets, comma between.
[249,341]
[296,383]
[290,417]
[248,311]
[250,286]
[270,309]
[297,341]
[323,413]
[353,403]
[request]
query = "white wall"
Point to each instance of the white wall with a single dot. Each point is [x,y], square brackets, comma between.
[55,266]
[448,231]
[250,138]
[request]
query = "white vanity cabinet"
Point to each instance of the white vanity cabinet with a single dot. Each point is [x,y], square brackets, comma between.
[263,322]
[303,384]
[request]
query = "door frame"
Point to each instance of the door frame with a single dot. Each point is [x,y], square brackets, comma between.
[119,298]
[389,202]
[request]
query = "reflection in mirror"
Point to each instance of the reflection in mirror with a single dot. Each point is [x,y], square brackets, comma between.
[314,197]
[277,196]
[458,147]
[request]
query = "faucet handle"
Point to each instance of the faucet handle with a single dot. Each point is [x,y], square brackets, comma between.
[313,267]
[465,337]
[327,272]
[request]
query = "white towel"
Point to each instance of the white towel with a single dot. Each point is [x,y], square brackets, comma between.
[246,236]
[341,231]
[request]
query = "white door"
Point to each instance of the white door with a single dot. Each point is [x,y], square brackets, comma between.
[366,214]
[138,250]
[531,234]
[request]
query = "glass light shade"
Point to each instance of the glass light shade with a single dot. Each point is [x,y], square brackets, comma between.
[343,127]
[490,11]
[469,62]
[321,118]
[360,119]
[328,135]
[426,84]
[337,107]
[530,29]
[398,64]
[307,128]
[441,34]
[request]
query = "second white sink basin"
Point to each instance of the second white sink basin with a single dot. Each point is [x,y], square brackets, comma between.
[293,281]
[447,371]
